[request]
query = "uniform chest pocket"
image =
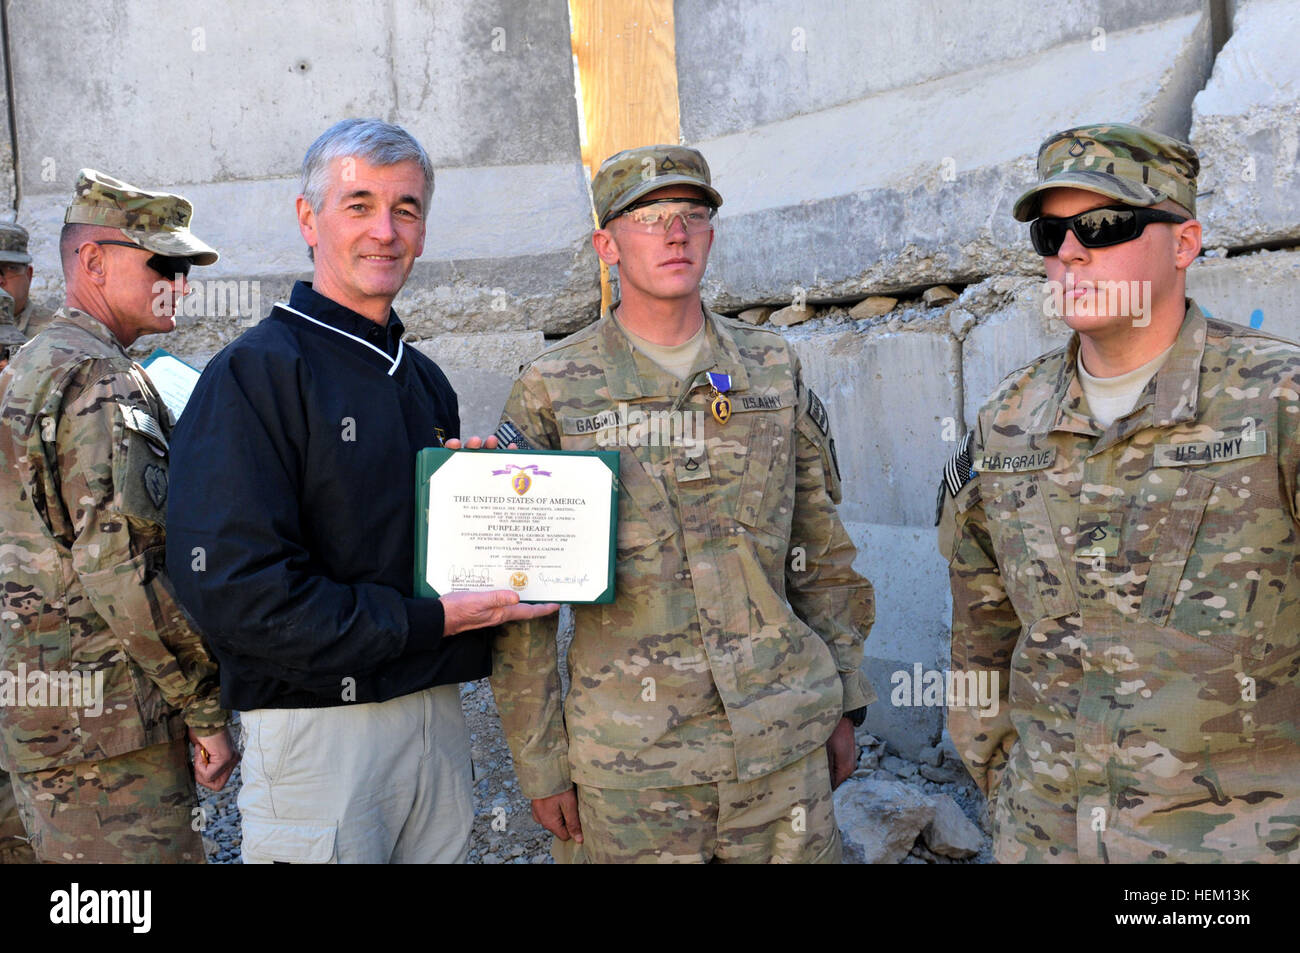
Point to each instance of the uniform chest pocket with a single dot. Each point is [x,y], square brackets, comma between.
[1034,574]
[1223,560]
[644,514]
[760,502]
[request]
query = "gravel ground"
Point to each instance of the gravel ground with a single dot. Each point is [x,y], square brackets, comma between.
[504,829]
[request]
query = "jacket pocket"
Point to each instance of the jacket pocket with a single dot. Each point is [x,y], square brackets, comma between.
[1034,575]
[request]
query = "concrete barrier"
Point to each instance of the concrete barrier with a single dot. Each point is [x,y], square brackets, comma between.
[741,65]
[913,186]
[482,368]
[1246,127]
[487,87]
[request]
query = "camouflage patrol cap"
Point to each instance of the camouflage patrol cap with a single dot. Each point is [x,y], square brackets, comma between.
[1128,163]
[158,221]
[628,175]
[13,243]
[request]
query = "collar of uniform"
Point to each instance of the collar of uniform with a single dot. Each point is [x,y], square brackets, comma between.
[1171,394]
[629,374]
[308,300]
[1178,382]
[92,325]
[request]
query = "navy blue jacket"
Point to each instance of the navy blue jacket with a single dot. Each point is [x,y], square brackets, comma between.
[291,512]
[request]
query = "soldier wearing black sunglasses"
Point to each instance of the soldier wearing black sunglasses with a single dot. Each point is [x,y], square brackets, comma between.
[83,493]
[1123,542]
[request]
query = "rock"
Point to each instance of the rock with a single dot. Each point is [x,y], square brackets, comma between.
[754,315]
[791,315]
[961,321]
[896,765]
[950,772]
[869,760]
[932,754]
[949,747]
[873,307]
[950,833]
[491,859]
[938,295]
[880,819]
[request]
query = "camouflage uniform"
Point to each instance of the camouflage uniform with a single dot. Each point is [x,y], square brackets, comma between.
[736,593]
[13,836]
[83,489]
[33,319]
[1134,588]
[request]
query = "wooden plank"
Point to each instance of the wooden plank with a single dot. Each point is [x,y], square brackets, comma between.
[626,54]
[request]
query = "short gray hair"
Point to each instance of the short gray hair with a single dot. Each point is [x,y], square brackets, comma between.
[376,141]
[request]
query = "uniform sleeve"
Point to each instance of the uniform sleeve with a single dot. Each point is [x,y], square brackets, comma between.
[525,661]
[985,629]
[821,584]
[114,482]
[242,554]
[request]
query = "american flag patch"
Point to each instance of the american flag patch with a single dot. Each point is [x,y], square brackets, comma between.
[957,472]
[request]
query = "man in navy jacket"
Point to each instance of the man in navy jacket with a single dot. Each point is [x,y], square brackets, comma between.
[292,512]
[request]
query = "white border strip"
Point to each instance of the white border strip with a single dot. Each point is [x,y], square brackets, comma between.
[401,345]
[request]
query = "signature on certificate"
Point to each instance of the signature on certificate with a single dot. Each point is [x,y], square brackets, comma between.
[564,580]
[467,577]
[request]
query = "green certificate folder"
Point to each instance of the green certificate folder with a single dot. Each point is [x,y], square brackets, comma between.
[541,522]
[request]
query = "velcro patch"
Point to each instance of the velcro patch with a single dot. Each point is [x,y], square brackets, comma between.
[1098,539]
[508,433]
[155,484]
[741,403]
[817,411]
[1213,451]
[957,471]
[145,425]
[584,425]
[1015,461]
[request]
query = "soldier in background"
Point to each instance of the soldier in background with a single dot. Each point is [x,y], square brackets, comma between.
[104,673]
[11,339]
[14,848]
[1122,534]
[16,279]
[706,701]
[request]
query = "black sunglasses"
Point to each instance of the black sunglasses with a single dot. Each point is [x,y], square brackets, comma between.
[1096,228]
[169,266]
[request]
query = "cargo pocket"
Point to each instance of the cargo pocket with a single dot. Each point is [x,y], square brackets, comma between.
[288,841]
[1029,558]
